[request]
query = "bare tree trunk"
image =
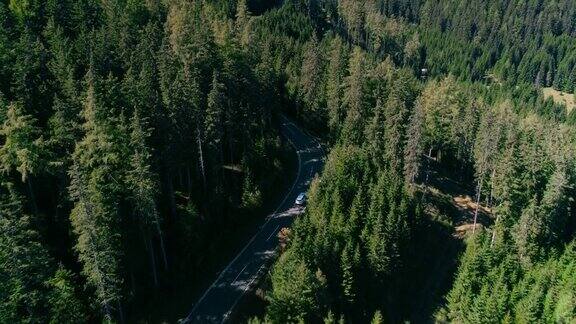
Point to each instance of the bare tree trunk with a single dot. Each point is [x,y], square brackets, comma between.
[162,247]
[491,188]
[494,230]
[477,205]
[153,262]
[170,187]
[201,155]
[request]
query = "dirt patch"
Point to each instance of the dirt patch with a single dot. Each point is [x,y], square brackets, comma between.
[466,202]
[560,97]
[463,230]
[467,207]
[454,198]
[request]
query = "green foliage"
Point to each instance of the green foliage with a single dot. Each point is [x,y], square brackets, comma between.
[359,224]
[492,287]
[125,122]
[377,319]
[31,289]
[510,47]
[353,99]
[297,293]
[24,264]
[360,255]
[64,305]
[251,195]
[22,149]
[121,114]
[24,9]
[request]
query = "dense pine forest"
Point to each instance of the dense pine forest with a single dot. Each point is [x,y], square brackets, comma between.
[138,137]
[132,132]
[406,93]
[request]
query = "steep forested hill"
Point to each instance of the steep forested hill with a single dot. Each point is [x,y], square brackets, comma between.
[516,41]
[369,241]
[137,136]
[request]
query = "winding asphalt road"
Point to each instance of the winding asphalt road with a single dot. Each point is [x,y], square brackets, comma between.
[219,301]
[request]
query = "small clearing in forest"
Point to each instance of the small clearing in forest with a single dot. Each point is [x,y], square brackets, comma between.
[559,97]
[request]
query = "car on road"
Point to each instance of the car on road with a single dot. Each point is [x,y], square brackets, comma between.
[301,199]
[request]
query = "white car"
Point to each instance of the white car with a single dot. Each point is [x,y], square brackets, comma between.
[301,199]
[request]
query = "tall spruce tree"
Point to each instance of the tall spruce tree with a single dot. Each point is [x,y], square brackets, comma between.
[354,99]
[94,187]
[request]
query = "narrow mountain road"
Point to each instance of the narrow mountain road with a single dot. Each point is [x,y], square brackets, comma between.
[218,302]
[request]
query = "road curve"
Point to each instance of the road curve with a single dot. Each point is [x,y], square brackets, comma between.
[218,302]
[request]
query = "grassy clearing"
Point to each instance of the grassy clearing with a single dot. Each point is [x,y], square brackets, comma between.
[559,97]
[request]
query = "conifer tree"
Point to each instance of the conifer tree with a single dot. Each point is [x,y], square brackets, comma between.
[334,84]
[23,147]
[354,101]
[64,304]
[25,265]
[414,146]
[242,23]
[294,297]
[506,188]
[352,13]
[93,189]
[396,115]
[311,83]
[554,208]
[528,233]
[214,122]
[348,270]
[143,185]
[377,319]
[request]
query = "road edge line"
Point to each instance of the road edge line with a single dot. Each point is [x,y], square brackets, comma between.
[282,203]
[187,319]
